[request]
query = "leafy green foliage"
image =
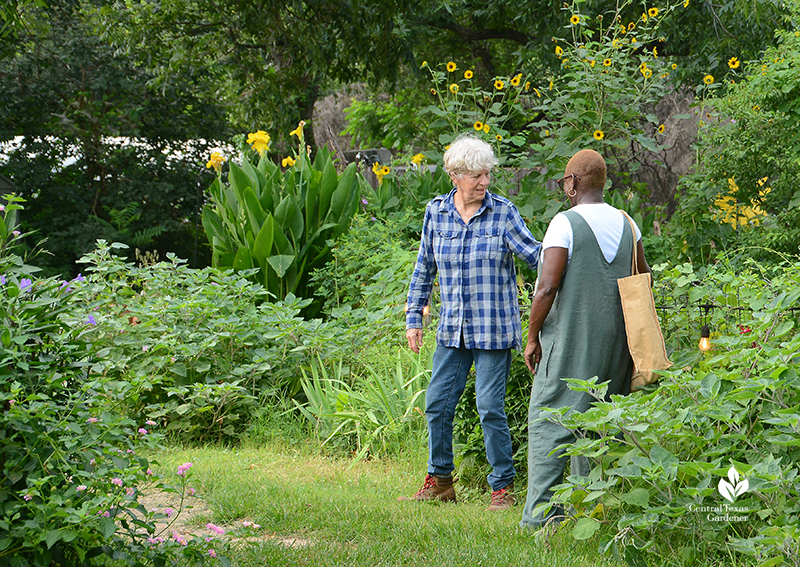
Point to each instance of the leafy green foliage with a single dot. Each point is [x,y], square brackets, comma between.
[659,455]
[278,222]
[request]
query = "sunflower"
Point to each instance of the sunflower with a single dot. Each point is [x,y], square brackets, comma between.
[661,129]
[708,79]
[652,12]
[451,66]
[478,125]
[647,73]
[486,128]
[644,17]
[499,138]
[655,51]
[433,92]
[538,94]
[498,84]
[615,43]
[467,74]
[575,19]
[633,40]
[598,135]
[591,63]
[454,88]
[559,51]
[685,3]
[643,68]
[606,62]
[516,80]
[631,26]
[733,63]
[622,28]
[674,65]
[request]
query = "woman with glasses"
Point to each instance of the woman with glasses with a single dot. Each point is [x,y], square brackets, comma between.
[576,327]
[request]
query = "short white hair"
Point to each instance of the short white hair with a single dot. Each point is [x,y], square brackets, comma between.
[469,154]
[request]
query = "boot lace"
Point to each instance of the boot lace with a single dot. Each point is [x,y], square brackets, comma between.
[429,483]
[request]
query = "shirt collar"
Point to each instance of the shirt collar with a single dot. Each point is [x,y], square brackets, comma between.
[488,202]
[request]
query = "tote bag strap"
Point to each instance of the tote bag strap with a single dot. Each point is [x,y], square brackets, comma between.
[634,263]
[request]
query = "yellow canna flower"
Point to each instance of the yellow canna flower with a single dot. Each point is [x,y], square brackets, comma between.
[498,84]
[575,19]
[288,161]
[652,12]
[467,74]
[299,130]
[478,125]
[598,135]
[516,80]
[259,140]
[486,128]
[216,161]
[451,66]
[708,79]
[454,88]
[424,64]
[418,158]
[733,63]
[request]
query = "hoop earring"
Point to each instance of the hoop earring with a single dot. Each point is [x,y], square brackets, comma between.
[572,192]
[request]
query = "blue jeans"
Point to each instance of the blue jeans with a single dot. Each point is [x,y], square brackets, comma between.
[448,380]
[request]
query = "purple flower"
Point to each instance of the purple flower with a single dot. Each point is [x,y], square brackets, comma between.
[117,481]
[215,528]
[80,278]
[149,422]
[91,321]
[80,488]
[184,468]
[25,284]
[2,280]
[364,202]
[143,431]
[212,553]
[169,512]
[92,420]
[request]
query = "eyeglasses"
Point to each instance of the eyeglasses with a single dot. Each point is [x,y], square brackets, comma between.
[563,179]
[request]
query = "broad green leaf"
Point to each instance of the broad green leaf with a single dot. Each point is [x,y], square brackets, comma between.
[280,263]
[262,248]
[585,528]
[637,497]
[243,259]
[255,213]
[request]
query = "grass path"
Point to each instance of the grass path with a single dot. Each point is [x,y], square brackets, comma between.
[319,511]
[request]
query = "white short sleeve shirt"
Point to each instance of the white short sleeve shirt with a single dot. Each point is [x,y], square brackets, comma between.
[605,221]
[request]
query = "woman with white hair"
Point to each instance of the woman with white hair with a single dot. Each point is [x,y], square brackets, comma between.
[470,237]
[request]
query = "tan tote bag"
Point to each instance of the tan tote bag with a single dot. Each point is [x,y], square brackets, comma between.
[645,340]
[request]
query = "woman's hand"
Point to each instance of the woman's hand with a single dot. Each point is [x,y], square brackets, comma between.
[414,337]
[533,354]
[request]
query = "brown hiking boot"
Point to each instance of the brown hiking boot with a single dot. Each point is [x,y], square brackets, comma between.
[502,499]
[434,488]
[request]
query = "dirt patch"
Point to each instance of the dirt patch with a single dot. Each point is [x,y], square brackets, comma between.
[192,520]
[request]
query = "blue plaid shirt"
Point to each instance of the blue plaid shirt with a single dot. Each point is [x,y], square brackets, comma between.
[477,279]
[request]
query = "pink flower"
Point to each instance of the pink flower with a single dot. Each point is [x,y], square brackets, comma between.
[247,524]
[92,420]
[191,491]
[117,481]
[179,538]
[145,348]
[149,472]
[149,422]
[169,512]
[256,526]
[93,462]
[80,488]
[27,497]
[130,491]
[212,553]
[143,431]
[215,528]
[184,468]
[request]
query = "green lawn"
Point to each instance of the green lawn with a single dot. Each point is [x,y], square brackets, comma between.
[342,512]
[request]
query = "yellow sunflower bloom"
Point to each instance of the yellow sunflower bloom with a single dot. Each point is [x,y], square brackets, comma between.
[685,3]
[478,125]
[467,74]
[454,88]
[575,19]
[647,73]
[606,62]
[498,84]
[633,40]
[288,161]
[547,133]
[631,26]
[516,80]
[661,129]
[644,17]
[559,51]
[433,92]
[652,12]
[259,140]
[499,138]
[733,63]
[216,161]
[708,79]
[655,52]
[674,65]
[615,43]
[598,135]
[591,63]
[451,66]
